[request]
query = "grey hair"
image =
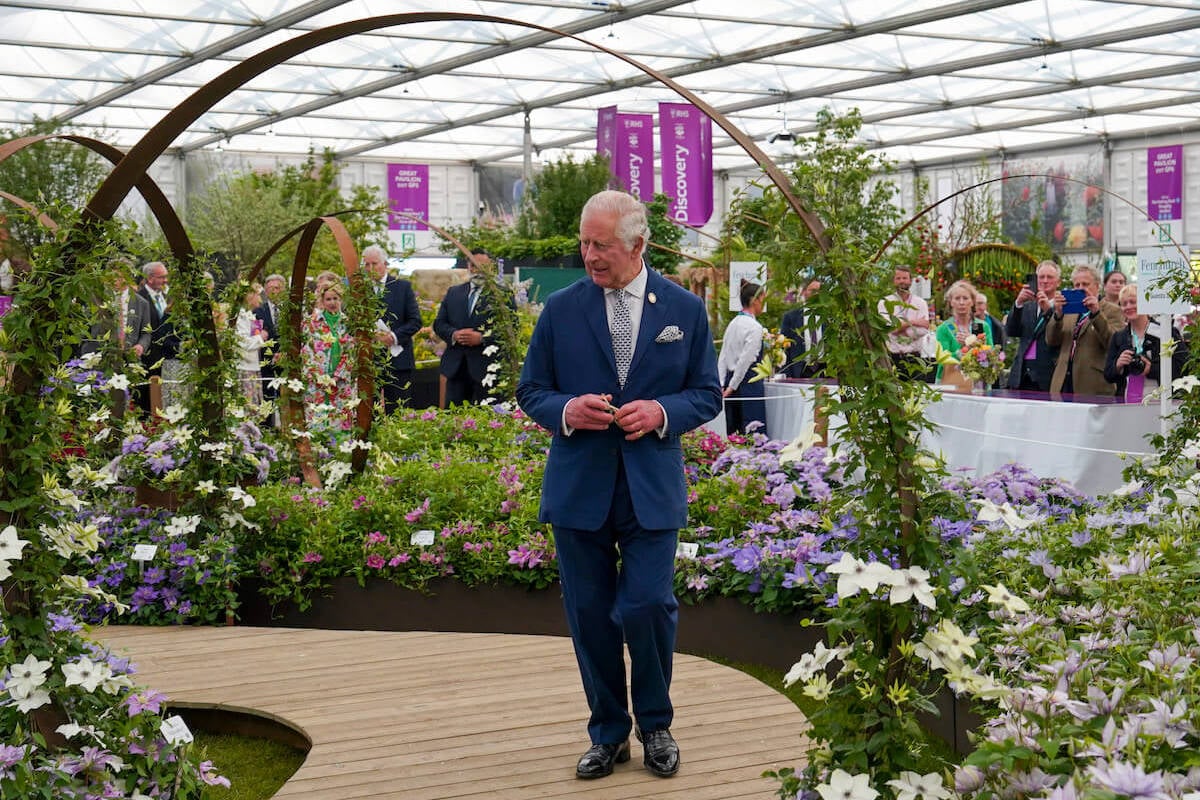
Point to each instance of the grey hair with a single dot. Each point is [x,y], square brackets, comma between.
[1090,270]
[275,276]
[1048,263]
[377,250]
[631,215]
[149,267]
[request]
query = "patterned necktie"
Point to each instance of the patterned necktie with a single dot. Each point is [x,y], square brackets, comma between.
[622,335]
[472,299]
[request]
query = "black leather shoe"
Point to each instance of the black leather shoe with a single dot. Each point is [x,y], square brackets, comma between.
[660,753]
[599,759]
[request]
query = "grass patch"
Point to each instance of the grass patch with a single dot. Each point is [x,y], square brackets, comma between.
[256,768]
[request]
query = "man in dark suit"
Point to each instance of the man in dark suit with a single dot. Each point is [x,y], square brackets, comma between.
[800,361]
[275,291]
[620,366]
[401,319]
[460,322]
[119,343]
[1033,363]
[164,344]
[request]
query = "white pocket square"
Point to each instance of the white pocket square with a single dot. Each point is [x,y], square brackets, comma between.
[671,333]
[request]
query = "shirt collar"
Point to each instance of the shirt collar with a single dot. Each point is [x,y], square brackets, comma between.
[637,286]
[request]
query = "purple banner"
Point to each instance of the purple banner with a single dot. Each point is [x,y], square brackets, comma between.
[633,162]
[408,191]
[606,132]
[685,141]
[1164,182]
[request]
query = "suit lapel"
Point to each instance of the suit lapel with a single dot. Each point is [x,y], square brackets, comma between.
[652,318]
[595,312]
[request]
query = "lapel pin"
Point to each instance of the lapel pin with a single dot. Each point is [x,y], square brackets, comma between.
[651,298]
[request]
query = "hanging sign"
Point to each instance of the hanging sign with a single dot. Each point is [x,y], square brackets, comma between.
[685,144]
[408,191]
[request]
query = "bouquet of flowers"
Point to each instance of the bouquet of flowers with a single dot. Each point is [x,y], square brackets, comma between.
[980,361]
[774,356]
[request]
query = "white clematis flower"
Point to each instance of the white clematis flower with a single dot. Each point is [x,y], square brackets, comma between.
[856,575]
[844,786]
[911,583]
[911,785]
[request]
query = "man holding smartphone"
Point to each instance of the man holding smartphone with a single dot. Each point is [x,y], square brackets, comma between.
[1081,330]
[1033,365]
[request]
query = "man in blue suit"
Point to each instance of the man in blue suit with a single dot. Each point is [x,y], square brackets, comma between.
[1035,359]
[461,319]
[621,365]
[401,319]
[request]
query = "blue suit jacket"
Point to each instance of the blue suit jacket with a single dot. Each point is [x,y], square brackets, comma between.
[402,315]
[571,354]
[452,315]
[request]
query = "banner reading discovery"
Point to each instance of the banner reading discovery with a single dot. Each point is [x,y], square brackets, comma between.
[631,157]
[685,141]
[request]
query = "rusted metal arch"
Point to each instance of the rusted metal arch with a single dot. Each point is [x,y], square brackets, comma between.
[291,407]
[41,217]
[160,206]
[114,189]
[172,227]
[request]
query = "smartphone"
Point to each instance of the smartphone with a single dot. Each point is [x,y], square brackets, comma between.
[1074,301]
[977,328]
[1031,282]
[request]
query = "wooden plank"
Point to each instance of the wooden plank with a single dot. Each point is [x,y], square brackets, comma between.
[445,715]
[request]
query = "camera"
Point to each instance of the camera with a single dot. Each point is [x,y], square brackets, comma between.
[977,328]
[1136,365]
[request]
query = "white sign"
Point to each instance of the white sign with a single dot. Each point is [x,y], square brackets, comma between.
[421,538]
[1155,265]
[686,550]
[175,730]
[144,552]
[753,271]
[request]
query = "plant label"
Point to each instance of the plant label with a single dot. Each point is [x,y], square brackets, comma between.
[687,550]
[144,552]
[422,538]
[175,730]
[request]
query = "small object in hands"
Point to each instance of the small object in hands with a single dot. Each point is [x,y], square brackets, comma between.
[977,328]
[1074,301]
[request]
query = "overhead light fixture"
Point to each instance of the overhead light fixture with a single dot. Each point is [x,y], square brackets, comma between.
[783,136]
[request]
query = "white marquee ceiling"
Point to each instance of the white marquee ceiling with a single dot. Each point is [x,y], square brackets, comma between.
[933,80]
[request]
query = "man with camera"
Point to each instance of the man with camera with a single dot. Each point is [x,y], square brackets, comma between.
[1082,329]
[1034,361]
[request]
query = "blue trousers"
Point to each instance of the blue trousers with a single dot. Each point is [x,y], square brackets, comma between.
[617,588]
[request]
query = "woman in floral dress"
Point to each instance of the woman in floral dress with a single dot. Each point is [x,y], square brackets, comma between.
[327,359]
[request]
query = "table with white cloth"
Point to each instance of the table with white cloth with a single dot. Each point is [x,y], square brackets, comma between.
[1080,440]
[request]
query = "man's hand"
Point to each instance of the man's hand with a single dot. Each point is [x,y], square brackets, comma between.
[639,417]
[137,350]
[1092,303]
[589,412]
[1024,296]
[384,338]
[468,337]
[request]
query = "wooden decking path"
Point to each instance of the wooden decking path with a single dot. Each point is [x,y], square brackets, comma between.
[420,716]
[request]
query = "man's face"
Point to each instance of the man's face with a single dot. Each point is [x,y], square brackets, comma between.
[1047,280]
[1084,280]
[609,263]
[902,280]
[812,288]
[275,290]
[476,261]
[980,306]
[375,265]
[157,279]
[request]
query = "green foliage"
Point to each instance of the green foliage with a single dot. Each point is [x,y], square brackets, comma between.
[506,243]
[664,232]
[241,215]
[46,174]
[557,195]
[860,726]
[256,768]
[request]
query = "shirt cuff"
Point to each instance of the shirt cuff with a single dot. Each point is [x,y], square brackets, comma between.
[662,432]
[566,429]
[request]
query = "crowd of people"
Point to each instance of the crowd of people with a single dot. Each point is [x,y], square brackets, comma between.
[1096,346]
[136,323]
